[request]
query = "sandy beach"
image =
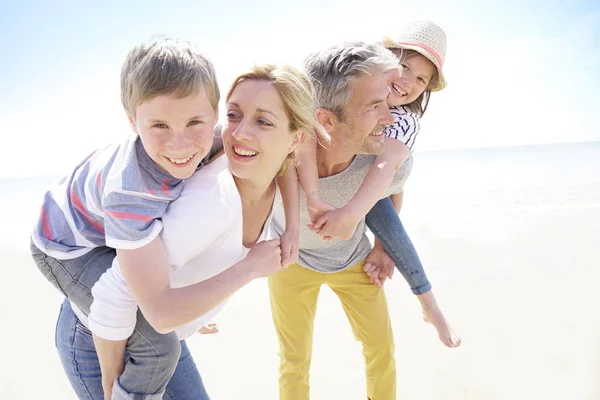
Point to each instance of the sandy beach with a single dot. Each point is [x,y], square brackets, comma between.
[517,281]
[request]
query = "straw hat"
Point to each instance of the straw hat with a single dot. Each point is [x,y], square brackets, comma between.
[426,38]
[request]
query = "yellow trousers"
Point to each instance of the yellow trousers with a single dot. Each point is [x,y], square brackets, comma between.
[294,294]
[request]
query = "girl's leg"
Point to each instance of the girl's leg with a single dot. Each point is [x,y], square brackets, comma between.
[384,222]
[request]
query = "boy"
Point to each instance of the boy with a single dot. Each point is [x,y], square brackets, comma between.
[111,204]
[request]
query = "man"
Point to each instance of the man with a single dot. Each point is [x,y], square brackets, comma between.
[350,95]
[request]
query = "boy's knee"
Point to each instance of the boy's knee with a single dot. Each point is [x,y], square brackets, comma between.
[167,348]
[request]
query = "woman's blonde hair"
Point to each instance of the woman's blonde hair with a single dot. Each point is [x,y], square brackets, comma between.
[419,105]
[296,91]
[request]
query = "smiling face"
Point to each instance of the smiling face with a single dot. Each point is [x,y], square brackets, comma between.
[176,132]
[256,135]
[366,115]
[409,81]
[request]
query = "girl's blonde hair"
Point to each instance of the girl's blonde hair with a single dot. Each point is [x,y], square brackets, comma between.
[296,91]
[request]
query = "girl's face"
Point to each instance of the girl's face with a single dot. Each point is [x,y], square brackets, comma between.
[256,134]
[409,80]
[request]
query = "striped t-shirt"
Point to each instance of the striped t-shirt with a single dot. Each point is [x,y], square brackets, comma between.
[115,198]
[405,127]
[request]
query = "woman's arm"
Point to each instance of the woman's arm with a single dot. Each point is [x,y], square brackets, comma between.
[147,274]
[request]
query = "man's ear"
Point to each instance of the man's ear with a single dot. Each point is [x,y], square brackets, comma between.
[326,118]
[132,122]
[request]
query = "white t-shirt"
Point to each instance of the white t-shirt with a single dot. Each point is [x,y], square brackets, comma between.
[203,235]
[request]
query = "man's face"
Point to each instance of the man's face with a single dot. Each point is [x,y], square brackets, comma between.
[366,115]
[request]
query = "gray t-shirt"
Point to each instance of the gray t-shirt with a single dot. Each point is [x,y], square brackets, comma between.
[337,190]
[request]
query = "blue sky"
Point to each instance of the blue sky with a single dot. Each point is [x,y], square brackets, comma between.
[519,72]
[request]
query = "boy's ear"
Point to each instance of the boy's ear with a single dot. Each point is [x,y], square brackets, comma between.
[326,118]
[132,122]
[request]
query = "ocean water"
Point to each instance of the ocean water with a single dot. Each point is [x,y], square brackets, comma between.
[490,179]
[557,175]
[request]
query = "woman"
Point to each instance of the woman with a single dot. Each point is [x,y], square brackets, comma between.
[211,234]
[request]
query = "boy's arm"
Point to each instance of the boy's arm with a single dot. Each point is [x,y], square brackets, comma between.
[288,184]
[111,355]
[342,222]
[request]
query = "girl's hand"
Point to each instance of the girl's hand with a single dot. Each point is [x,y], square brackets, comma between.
[339,223]
[289,247]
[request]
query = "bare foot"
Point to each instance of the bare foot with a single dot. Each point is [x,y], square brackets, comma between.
[209,329]
[435,317]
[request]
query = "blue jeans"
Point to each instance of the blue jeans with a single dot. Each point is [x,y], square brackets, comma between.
[384,222]
[153,357]
[78,356]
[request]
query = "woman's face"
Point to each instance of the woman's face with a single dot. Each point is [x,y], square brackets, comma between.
[256,134]
[409,81]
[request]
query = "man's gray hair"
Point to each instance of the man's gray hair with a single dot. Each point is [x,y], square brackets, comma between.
[331,70]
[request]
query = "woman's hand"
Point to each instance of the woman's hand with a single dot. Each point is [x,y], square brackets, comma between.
[265,258]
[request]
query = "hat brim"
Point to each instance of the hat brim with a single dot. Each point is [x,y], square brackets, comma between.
[389,43]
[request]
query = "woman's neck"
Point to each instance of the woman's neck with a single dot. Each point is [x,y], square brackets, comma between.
[252,191]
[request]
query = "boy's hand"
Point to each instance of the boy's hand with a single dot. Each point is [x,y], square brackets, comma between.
[209,329]
[290,241]
[338,223]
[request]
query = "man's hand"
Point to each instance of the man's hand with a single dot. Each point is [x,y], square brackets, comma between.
[378,265]
[289,247]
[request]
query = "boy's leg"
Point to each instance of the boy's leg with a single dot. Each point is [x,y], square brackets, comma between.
[79,359]
[384,222]
[152,360]
[294,293]
[78,356]
[366,308]
[153,356]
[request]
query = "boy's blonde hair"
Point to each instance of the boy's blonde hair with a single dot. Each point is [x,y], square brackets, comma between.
[166,66]
[296,91]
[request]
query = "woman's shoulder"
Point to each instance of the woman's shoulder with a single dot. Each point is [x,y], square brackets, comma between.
[211,191]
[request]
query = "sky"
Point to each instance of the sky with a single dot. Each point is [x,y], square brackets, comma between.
[518,72]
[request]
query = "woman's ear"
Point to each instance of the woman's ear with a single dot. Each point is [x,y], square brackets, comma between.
[298,139]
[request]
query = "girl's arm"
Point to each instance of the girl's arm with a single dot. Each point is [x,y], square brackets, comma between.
[342,222]
[308,175]
[288,185]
